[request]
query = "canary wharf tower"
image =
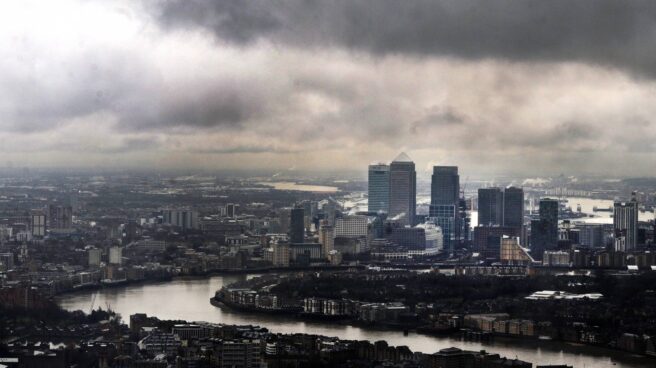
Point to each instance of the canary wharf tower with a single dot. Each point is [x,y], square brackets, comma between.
[403,190]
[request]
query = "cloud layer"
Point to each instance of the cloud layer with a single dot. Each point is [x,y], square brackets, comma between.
[497,87]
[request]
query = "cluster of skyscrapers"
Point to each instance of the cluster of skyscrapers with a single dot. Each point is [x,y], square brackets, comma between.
[393,190]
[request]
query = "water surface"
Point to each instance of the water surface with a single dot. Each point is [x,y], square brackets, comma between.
[188,299]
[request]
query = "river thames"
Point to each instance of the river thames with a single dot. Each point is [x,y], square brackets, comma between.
[188,299]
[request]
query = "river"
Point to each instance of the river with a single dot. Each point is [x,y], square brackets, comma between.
[188,299]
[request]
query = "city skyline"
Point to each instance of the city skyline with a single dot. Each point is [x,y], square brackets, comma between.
[302,183]
[207,85]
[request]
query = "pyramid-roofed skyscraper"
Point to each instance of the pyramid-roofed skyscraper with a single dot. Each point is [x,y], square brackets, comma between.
[403,157]
[403,190]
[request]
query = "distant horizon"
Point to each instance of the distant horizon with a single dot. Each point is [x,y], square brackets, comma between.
[289,174]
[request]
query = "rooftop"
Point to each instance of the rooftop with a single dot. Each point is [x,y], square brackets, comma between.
[402,157]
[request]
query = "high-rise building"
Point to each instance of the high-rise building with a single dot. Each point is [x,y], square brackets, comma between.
[281,254]
[445,185]
[297,225]
[182,218]
[490,206]
[591,235]
[403,190]
[379,188]
[544,231]
[444,216]
[434,237]
[625,224]
[326,238]
[115,255]
[487,239]
[231,210]
[445,200]
[59,217]
[94,257]
[352,226]
[38,223]
[513,207]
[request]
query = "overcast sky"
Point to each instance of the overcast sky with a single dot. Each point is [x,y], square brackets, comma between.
[496,87]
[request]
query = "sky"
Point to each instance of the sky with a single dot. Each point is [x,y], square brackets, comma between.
[496,87]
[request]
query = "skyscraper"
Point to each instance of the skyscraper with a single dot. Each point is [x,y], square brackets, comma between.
[297,225]
[403,190]
[544,232]
[445,185]
[490,206]
[513,207]
[379,188]
[326,238]
[445,193]
[625,223]
[444,216]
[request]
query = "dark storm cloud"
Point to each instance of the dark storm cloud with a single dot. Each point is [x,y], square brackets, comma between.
[607,32]
[124,85]
[440,117]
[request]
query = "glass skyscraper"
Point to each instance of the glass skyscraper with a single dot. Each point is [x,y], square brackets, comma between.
[513,207]
[379,188]
[445,195]
[403,190]
[445,185]
[490,206]
[297,225]
[625,224]
[544,232]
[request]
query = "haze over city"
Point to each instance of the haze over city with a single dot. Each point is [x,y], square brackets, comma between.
[497,87]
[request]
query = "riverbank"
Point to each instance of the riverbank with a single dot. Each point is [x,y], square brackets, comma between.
[187,299]
[257,296]
[204,275]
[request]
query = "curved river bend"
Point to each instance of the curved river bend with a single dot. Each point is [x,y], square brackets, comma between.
[188,299]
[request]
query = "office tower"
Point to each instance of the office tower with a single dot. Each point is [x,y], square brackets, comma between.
[116,255]
[544,232]
[326,238]
[444,207]
[513,207]
[591,235]
[59,217]
[130,231]
[444,216]
[281,254]
[284,217]
[379,188]
[38,223]
[352,226]
[434,237]
[409,238]
[445,185]
[183,218]
[403,190]
[94,257]
[625,224]
[231,210]
[490,206]
[488,238]
[297,225]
